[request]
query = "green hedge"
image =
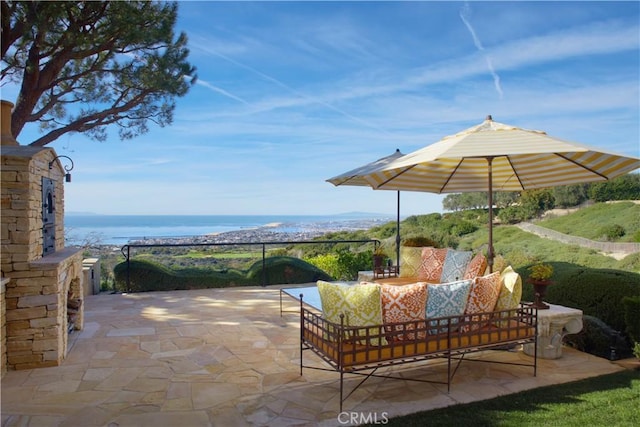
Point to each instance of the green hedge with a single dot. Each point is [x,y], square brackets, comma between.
[147,276]
[597,292]
[599,339]
[286,270]
[632,317]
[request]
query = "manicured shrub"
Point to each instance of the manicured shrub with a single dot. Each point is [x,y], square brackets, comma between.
[285,270]
[597,292]
[599,339]
[632,317]
[147,276]
[419,241]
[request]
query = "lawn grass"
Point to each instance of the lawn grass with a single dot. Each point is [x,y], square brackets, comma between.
[608,400]
[590,222]
[194,254]
[521,248]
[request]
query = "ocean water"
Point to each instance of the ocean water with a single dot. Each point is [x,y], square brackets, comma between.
[120,229]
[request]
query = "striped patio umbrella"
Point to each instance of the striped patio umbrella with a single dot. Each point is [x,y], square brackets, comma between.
[355,177]
[494,156]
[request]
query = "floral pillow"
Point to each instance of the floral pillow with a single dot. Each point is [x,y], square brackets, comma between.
[360,304]
[404,304]
[455,265]
[432,264]
[476,267]
[446,299]
[483,297]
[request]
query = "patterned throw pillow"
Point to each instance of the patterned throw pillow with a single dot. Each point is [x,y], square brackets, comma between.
[455,265]
[404,304]
[410,261]
[432,263]
[510,290]
[360,304]
[476,266]
[483,297]
[484,294]
[447,299]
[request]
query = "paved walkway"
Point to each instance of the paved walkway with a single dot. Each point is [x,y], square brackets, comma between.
[225,357]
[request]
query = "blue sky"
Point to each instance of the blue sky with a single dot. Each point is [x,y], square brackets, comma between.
[292,93]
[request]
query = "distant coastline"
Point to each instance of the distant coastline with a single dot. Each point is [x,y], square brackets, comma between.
[118,230]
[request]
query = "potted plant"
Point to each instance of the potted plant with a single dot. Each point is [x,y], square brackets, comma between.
[540,277]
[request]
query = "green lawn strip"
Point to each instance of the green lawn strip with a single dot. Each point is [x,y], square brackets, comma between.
[521,248]
[221,255]
[608,400]
[589,222]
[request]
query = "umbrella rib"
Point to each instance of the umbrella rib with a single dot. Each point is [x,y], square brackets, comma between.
[385,182]
[451,175]
[515,172]
[583,166]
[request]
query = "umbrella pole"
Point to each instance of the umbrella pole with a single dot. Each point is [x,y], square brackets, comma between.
[398,232]
[490,254]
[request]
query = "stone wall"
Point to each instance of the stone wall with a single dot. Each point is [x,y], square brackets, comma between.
[21,204]
[3,327]
[37,288]
[37,322]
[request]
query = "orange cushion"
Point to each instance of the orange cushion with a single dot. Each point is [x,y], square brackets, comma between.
[432,264]
[404,304]
[483,297]
[476,267]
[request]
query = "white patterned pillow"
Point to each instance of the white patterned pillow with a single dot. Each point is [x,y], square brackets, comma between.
[447,299]
[360,304]
[510,291]
[455,265]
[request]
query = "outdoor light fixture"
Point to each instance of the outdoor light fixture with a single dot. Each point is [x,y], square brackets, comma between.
[67,175]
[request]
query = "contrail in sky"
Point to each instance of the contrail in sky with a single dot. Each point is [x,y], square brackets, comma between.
[296,92]
[221,91]
[464,15]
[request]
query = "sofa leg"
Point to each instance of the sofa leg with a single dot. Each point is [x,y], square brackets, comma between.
[448,373]
[341,388]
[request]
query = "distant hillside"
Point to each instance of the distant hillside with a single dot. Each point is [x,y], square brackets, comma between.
[468,230]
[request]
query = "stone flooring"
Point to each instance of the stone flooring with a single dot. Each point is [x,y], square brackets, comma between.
[226,357]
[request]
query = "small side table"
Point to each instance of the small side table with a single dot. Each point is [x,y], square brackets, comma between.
[553,325]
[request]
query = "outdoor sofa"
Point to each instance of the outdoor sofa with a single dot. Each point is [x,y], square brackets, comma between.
[360,328]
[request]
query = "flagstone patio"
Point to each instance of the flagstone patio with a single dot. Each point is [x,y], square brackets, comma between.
[226,357]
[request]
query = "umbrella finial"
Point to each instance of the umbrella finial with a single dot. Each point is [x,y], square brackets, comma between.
[489,118]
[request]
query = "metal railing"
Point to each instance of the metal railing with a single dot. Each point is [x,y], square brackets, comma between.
[126,249]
